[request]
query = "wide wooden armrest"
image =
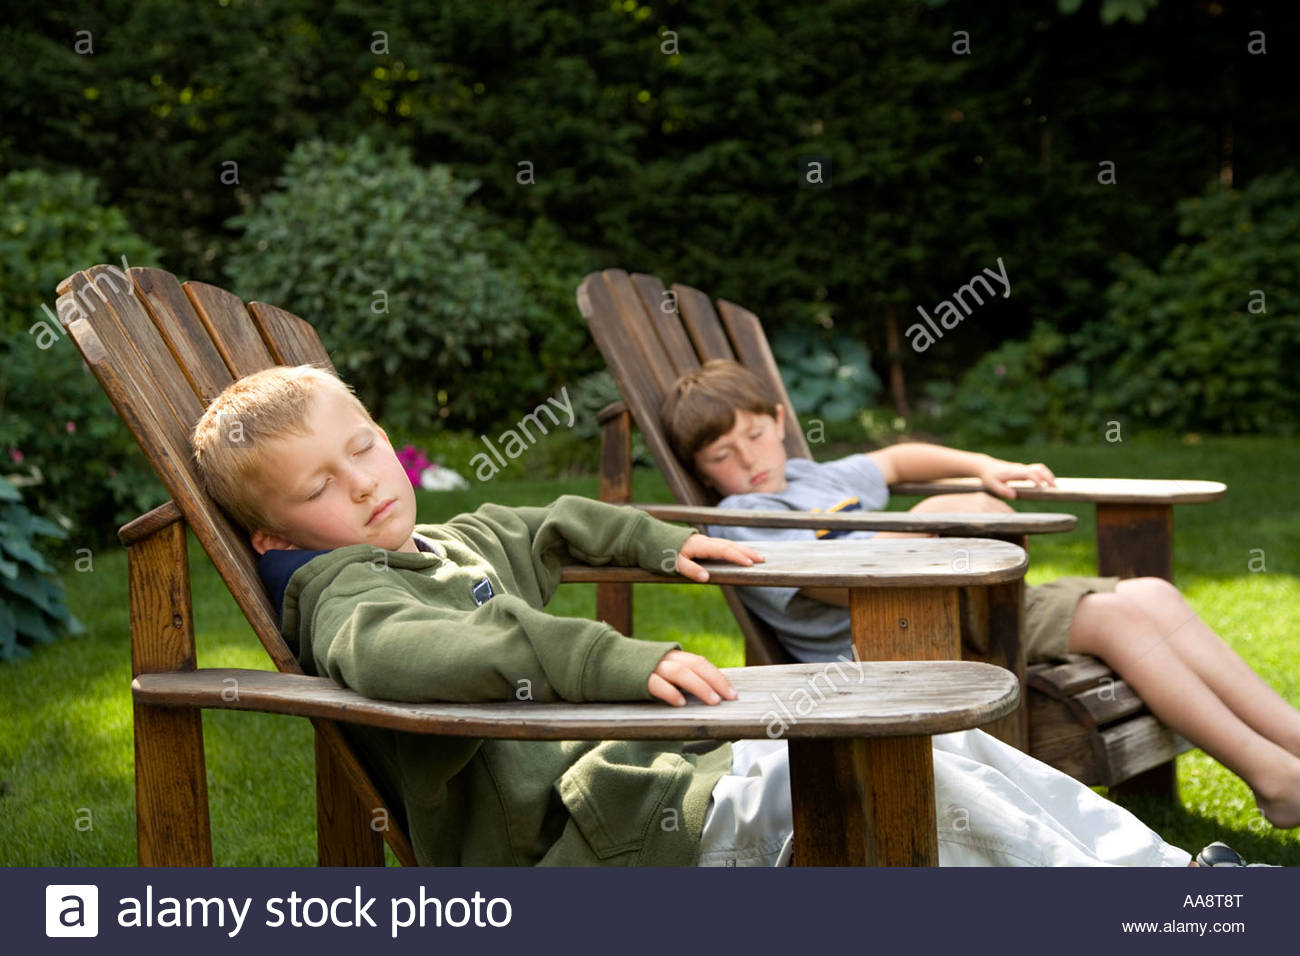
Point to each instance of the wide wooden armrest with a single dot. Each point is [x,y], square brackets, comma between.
[896,562]
[952,523]
[848,699]
[1137,491]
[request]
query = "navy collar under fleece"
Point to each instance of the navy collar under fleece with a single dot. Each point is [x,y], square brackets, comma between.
[277,567]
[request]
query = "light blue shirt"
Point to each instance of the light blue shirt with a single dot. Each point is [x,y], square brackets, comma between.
[810,630]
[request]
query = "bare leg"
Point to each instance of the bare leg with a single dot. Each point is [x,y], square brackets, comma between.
[1162,659]
[1242,690]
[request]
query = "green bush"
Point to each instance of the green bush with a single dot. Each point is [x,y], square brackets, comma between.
[1208,342]
[32,609]
[59,428]
[393,267]
[828,377]
[559,351]
[1026,391]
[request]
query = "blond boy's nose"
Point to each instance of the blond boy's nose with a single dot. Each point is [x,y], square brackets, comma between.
[363,485]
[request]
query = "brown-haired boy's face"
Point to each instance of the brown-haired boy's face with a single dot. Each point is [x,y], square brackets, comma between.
[749,458]
[339,484]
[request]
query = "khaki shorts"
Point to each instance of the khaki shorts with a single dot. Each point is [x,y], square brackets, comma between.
[1049,609]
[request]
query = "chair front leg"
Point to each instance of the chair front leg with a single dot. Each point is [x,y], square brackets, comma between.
[1003,606]
[905,624]
[171,787]
[1135,541]
[863,802]
[614,601]
[1138,541]
[871,802]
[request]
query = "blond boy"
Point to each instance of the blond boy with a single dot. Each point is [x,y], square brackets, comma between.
[723,424]
[454,612]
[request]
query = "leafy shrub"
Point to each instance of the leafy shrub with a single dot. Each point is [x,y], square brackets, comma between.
[389,263]
[32,609]
[1028,390]
[59,428]
[1211,340]
[1208,342]
[828,377]
[549,267]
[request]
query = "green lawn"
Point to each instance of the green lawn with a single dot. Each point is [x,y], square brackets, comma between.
[66,793]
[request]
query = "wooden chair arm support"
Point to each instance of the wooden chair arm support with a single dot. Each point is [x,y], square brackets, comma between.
[954,523]
[853,699]
[894,563]
[149,523]
[1138,491]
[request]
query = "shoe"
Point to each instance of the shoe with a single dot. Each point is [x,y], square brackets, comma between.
[1220,854]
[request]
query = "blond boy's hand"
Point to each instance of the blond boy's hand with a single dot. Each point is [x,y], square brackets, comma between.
[996,473]
[690,672]
[703,546]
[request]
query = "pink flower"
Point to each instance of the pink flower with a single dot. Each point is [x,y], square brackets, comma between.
[16,455]
[71,427]
[1000,369]
[413,462]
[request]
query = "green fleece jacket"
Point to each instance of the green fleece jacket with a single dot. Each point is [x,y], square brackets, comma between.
[400,626]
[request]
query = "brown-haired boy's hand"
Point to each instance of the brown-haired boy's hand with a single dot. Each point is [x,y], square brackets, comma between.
[690,672]
[703,546]
[995,474]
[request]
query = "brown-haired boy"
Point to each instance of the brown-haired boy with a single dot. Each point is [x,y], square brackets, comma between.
[723,424]
[454,612]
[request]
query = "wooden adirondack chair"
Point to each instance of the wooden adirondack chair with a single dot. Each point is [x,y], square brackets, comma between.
[1079,716]
[863,777]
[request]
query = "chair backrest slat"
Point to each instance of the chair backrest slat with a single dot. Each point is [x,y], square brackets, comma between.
[753,352]
[290,340]
[637,326]
[702,324]
[173,313]
[666,320]
[232,331]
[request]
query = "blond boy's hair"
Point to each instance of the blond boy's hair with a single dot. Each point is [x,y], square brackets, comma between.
[701,406]
[230,439]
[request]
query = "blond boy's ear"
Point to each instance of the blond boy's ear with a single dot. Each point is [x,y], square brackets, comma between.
[264,541]
[780,417]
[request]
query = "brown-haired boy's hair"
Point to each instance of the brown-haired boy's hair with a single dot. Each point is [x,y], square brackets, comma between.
[701,406]
[230,438]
